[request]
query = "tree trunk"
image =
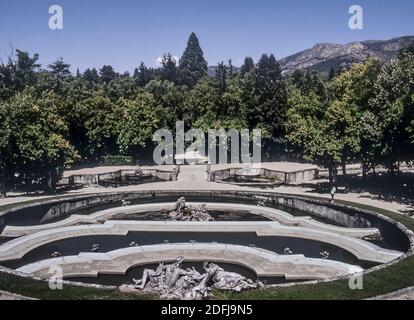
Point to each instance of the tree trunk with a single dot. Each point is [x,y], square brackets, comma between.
[3,193]
[364,171]
[344,168]
[332,175]
[51,185]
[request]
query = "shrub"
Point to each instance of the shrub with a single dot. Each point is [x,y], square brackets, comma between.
[117,160]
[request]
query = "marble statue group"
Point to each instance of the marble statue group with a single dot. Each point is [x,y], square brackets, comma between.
[183,212]
[171,281]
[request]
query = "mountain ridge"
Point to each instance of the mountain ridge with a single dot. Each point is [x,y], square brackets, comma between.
[324,56]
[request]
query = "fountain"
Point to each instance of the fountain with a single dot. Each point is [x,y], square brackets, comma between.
[111,239]
[182,212]
[172,282]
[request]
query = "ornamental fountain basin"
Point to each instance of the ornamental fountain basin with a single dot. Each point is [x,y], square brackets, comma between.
[315,239]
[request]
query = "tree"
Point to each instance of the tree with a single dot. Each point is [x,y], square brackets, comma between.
[91,75]
[38,147]
[393,104]
[247,66]
[221,77]
[269,107]
[371,134]
[6,157]
[231,69]
[332,74]
[143,75]
[107,74]
[169,70]
[137,123]
[309,81]
[19,71]
[192,66]
[60,69]
[355,87]
[100,118]
[324,133]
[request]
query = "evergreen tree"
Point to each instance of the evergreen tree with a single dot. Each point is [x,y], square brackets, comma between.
[247,66]
[192,65]
[143,75]
[107,74]
[230,69]
[221,77]
[60,69]
[269,110]
[18,72]
[332,74]
[91,75]
[169,69]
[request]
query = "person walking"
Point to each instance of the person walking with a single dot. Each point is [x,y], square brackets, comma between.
[333,192]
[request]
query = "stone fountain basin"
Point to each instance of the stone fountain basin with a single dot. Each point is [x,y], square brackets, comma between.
[264,263]
[276,215]
[365,251]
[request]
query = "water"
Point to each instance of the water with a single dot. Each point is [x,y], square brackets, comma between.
[218,215]
[129,180]
[73,246]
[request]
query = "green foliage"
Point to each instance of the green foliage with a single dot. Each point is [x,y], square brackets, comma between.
[91,75]
[138,121]
[169,70]
[247,66]
[59,69]
[118,160]
[192,65]
[393,104]
[48,117]
[36,137]
[107,74]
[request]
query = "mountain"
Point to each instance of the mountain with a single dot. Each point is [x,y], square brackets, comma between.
[212,70]
[324,56]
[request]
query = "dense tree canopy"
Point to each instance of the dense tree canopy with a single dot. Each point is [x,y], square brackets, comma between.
[50,119]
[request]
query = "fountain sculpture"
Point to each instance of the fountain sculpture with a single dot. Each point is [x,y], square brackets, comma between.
[173,282]
[182,212]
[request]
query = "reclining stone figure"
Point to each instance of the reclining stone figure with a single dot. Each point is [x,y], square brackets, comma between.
[173,282]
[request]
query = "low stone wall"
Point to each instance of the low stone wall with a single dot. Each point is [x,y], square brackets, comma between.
[294,177]
[93,179]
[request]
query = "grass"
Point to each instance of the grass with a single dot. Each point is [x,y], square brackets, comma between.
[392,278]
[40,290]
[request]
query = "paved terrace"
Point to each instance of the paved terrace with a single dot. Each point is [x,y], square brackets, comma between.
[195,178]
[365,251]
[264,263]
[271,213]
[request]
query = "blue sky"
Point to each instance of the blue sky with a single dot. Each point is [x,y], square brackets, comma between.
[122,33]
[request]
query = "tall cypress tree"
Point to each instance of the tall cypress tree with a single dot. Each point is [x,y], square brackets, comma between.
[192,66]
